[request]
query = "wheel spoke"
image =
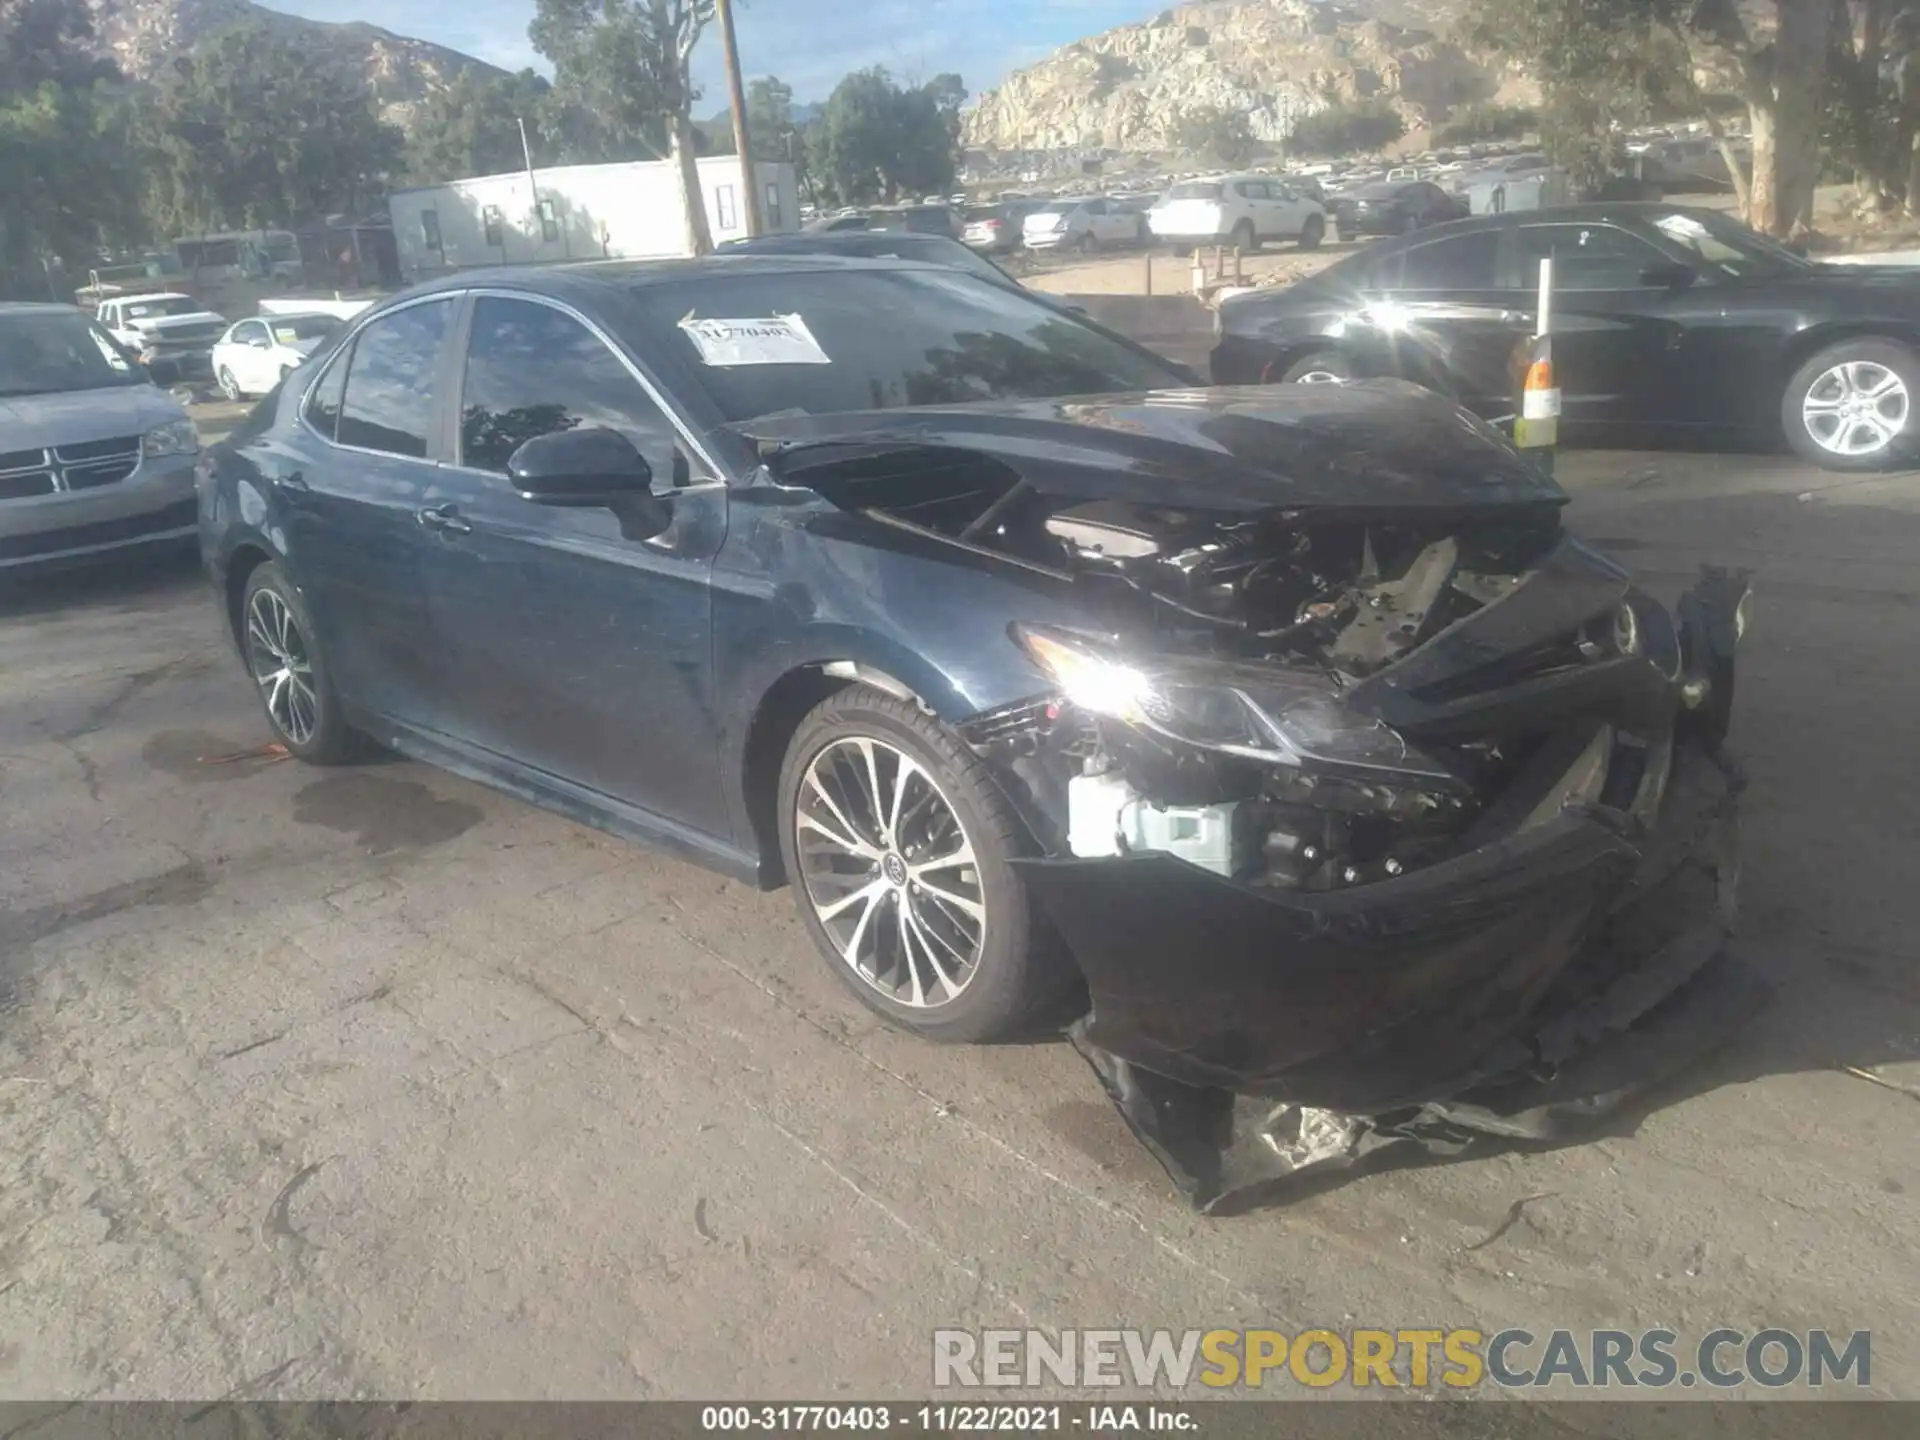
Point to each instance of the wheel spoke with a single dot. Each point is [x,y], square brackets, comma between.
[1821,405]
[1885,385]
[902,772]
[927,941]
[846,902]
[903,925]
[948,897]
[850,840]
[962,855]
[851,950]
[873,790]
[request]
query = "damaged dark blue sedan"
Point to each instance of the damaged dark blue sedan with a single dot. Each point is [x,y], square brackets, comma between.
[1284,730]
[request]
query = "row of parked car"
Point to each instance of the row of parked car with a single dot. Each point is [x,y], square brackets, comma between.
[175,336]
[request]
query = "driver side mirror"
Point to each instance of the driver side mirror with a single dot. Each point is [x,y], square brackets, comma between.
[1669,275]
[594,468]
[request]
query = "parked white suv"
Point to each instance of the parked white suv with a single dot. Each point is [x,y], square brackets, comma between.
[1240,210]
[1081,225]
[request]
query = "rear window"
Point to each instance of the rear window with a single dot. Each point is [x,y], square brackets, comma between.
[807,343]
[1196,190]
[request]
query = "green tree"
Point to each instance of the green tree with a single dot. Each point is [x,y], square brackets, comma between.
[252,130]
[1487,122]
[1601,63]
[1217,135]
[471,127]
[877,140]
[769,116]
[622,85]
[1345,129]
[68,166]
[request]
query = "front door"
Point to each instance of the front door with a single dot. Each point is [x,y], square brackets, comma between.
[1616,339]
[352,482]
[574,649]
[1439,317]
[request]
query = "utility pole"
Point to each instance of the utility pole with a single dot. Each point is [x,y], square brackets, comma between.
[742,143]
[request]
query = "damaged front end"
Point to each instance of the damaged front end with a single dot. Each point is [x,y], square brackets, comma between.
[1368,817]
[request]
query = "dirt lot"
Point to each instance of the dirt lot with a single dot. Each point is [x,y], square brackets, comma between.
[373,1082]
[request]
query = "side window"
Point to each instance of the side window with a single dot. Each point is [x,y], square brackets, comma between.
[389,400]
[430,229]
[723,204]
[532,370]
[773,206]
[1253,189]
[1459,262]
[490,218]
[1096,207]
[254,333]
[323,401]
[1586,257]
[549,221]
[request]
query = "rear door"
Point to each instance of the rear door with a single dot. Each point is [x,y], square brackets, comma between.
[574,649]
[1616,339]
[371,452]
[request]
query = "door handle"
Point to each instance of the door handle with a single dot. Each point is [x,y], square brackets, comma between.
[444,518]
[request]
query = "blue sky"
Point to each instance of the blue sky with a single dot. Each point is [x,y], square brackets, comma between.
[808,43]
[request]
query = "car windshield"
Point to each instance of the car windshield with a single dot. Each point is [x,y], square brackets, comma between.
[291,329]
[53,352]
[1727,246]
[806,342]
[153,309]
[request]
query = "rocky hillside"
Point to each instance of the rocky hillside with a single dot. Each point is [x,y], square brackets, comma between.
[142,35]
[1273,60]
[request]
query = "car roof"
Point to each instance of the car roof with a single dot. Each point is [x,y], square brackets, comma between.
[1617,212]
[155,295]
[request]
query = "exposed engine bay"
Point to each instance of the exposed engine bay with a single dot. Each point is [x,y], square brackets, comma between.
[1365,817]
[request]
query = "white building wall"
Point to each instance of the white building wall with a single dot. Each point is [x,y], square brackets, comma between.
[629,210]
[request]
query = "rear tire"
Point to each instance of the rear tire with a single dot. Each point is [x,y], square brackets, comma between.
[1313,232]
[289,670]
[1244,239]
[1851,406]
[964,938]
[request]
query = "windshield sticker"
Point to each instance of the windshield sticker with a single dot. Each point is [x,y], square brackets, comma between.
[771,340]
[286,334]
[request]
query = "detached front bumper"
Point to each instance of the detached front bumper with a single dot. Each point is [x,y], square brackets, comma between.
[1248,1033]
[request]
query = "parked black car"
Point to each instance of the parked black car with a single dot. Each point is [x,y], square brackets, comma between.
[1287,720]
[1393,207]
[1664,318]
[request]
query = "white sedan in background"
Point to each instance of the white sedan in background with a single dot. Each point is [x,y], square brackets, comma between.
[256,355]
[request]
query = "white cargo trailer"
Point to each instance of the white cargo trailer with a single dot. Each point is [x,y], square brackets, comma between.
[627,210]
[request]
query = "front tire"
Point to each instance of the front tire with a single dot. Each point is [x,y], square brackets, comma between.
[229,386]
[897,841]
[289,671]
[1244,239]
[1851,406]
[1313,232]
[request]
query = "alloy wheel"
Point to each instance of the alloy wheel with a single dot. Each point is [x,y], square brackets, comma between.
[1856,408]
[229,387]
[1319,377]
[890,872]
[277,656]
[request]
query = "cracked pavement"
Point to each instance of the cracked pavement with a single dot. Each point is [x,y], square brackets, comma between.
[373,1083]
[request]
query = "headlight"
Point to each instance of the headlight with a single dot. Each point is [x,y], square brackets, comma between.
[1258,712]
[176,437]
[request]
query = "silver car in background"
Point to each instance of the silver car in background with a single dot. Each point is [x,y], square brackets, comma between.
[95,459]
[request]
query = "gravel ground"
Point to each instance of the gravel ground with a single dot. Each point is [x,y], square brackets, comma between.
[374,1083]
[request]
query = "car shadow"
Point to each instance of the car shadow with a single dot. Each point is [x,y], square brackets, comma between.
[123,580]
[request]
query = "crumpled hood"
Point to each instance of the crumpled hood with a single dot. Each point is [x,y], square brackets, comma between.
[37,422]
[1379,444]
